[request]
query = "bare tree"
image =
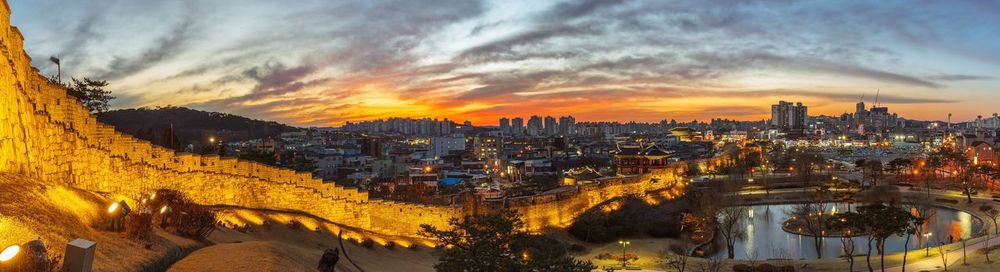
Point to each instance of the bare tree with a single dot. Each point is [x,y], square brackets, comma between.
[730,226]
[812,217]
[925,210]
[752,258]
[711,265]
[994,215]
[677,261]
[807,220]
[847,245]
[944,255]
[780,256]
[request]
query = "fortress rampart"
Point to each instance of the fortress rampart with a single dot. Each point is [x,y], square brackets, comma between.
[49,136]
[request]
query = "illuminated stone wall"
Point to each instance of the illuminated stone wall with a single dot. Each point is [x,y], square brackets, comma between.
[47,135]
[559,209]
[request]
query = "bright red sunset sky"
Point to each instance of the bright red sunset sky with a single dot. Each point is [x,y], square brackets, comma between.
[327,62]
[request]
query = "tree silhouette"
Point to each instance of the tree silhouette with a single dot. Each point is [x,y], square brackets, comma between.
[497,242]
[91,93]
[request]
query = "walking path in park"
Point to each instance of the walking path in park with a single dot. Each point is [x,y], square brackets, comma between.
[954,257]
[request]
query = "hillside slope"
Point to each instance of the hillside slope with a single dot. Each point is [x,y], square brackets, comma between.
[190,126]
[31,210]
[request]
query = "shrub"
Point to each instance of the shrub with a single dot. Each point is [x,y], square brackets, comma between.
[41,259]
[742,268]
[186,218]
[294,225]
[196,222]
[139,226]
[390,245]
[577,248]
[414,247]
[368,243]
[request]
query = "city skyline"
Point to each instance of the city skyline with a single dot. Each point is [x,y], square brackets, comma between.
[324,64]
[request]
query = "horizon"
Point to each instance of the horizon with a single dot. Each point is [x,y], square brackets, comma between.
[323,64]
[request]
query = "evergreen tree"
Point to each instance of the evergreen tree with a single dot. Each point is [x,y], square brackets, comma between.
[497,242]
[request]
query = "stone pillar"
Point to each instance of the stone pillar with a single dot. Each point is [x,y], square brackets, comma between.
[79,256]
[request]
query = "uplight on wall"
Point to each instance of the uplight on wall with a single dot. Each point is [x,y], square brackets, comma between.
[9,253]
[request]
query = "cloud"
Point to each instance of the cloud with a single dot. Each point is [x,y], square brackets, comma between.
[529,37]
[765,59]
[840,97]
[165,47]
[73,50]
[958,77]
[470,59]
[574,9]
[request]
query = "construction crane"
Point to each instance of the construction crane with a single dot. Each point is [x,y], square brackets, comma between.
[877,91]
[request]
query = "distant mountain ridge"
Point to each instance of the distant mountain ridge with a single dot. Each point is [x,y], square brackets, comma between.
[190,126]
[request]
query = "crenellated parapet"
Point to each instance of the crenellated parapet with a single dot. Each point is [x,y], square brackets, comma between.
[48,135]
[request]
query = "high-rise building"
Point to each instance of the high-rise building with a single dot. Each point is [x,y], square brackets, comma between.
[788,116]
[550,125]
[534,125]
[517,126]
[567,125]
[505,126]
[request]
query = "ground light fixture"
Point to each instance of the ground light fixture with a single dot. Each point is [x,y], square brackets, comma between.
[9,253]
[113,208]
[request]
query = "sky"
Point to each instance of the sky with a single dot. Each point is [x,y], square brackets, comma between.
[323,62]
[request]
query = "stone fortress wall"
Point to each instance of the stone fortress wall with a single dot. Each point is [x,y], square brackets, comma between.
[47,135]
[560,208]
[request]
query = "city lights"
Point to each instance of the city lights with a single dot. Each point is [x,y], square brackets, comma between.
[430,128]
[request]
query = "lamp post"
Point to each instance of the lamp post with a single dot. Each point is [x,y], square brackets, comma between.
[927,245]
[624,258]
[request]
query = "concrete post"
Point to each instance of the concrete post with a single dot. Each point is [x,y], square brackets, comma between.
[79,256]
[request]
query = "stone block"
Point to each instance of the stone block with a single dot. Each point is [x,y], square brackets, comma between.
[79,256]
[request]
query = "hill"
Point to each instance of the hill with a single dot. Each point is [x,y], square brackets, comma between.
[190,126]
[31,209]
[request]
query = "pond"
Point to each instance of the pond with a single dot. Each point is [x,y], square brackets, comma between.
[767,240]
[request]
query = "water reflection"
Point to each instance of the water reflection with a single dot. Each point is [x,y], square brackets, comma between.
[767,240]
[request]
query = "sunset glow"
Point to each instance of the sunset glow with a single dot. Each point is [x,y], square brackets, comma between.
[325,63]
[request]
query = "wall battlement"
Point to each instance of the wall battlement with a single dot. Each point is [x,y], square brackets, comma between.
[48,135]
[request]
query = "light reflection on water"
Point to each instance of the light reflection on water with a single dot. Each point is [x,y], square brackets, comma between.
[767,240]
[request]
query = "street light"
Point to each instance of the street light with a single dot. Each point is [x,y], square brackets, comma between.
[624,258]
[9,253]
[927,246]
